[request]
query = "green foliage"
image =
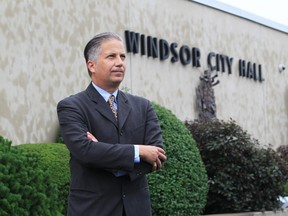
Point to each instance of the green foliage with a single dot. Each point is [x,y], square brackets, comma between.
[180,188]
[242,175]
[59,138]
[283,153]
[24,188]
[54,159]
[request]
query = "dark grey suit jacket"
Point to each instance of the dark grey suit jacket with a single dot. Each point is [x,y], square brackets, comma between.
[94,189]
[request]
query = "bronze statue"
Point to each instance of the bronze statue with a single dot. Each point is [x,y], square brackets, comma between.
[206,103]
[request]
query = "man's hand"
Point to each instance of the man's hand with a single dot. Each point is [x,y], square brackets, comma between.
[152,155]
[91,137]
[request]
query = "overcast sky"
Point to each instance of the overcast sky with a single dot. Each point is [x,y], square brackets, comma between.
[275,10]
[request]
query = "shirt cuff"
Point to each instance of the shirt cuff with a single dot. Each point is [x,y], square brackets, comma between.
[136,154]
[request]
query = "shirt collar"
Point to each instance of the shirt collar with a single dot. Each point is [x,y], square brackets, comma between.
[104,93]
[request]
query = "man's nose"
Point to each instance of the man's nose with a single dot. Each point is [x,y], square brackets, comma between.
[119,60]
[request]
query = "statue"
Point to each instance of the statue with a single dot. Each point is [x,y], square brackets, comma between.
[205,96]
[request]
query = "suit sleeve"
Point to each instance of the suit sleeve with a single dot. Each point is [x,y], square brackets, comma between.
[153,136]
[74,125]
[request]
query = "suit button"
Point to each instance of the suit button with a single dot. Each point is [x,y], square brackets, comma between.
[121,132]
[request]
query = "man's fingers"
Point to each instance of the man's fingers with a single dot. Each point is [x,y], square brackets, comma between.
[154,167]
[91,137]
[159,164]
[162,157]
[160,150]
[153,155]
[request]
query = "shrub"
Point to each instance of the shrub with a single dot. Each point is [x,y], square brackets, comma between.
[180,188]
[54,159]
[24,188]
[59,138]
[283,153]
[242,176]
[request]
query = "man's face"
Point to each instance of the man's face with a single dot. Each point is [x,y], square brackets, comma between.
[109,69]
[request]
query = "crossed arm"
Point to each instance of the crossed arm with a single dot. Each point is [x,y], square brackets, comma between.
[151,154]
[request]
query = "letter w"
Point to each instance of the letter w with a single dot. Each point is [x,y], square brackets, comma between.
[132,41]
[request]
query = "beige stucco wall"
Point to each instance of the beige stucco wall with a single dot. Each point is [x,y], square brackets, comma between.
[41,62]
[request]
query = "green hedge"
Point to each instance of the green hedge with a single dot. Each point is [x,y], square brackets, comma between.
[54,160]
[25,189]
[243,176]
[180,188]
[282,151]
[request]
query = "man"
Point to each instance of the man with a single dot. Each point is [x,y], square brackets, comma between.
[112,146]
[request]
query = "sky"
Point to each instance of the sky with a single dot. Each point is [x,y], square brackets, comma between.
[275,10]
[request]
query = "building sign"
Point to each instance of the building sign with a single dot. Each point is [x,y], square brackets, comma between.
[162,49]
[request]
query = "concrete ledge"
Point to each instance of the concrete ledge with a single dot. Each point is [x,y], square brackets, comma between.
[267,213]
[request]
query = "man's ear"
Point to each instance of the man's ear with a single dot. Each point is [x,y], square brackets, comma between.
[91,66]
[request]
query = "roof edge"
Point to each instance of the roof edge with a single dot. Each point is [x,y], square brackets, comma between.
[243,14]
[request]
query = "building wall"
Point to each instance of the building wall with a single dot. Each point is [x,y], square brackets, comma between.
[42,62]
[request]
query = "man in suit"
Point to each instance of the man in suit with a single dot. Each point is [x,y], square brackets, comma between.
[112,146]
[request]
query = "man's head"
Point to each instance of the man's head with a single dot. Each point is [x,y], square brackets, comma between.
[105,60]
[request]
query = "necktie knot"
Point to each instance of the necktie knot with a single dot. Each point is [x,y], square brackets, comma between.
[111,104]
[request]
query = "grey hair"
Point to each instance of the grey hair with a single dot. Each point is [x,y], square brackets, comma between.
[93,47]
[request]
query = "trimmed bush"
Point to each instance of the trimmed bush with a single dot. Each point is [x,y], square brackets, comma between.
[180,188]
[54,160]
[242,176]
[282,151]
[25,189]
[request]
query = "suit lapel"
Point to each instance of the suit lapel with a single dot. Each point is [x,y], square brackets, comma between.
[101,105]
[124,108]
